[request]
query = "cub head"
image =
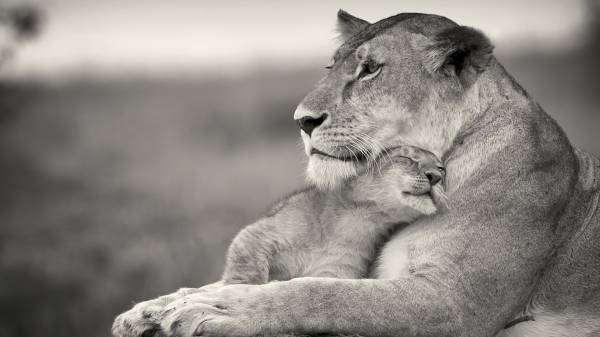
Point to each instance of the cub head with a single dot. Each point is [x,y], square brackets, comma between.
[410,79]
[405,183]
[420,169]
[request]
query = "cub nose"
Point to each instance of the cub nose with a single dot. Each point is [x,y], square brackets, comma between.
[434,177]
[308,123]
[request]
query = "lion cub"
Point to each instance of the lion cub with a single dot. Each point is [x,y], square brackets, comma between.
[337,233]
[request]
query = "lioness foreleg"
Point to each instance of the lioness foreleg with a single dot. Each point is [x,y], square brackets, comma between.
[316,305]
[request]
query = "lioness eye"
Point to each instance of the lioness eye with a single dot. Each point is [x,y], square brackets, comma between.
[369,70]
[371,67]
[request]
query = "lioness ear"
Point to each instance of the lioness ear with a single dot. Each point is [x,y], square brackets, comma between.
[348,25]
[459,51]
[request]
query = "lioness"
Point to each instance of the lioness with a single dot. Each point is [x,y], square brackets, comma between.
[337,233]
[522,232]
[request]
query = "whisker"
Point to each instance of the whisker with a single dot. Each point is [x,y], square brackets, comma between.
[365,150]
[375,151]
[361,146]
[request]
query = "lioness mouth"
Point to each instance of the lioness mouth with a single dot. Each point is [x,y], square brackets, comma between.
[358,157]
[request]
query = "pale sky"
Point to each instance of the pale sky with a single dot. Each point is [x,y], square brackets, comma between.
[166,35]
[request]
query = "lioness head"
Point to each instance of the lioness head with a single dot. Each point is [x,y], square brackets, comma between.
[410,79]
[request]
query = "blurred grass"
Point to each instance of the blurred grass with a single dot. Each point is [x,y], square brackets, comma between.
[114,192]
[117,191]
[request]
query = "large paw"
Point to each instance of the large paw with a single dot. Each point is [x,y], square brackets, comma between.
[144,319]
[233,310]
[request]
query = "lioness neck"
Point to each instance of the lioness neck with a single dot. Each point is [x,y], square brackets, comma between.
[499,132]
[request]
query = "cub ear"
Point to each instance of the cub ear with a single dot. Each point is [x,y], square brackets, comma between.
[348,25]
[459,51]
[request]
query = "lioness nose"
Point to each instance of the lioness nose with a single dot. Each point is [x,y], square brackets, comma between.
[308,123]
[433,177]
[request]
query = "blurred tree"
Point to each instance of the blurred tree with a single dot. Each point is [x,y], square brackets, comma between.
[18,24]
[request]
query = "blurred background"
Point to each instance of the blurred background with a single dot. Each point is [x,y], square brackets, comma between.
[137,137]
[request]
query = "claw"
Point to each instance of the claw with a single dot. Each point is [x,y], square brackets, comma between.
[175,325]
[199,330]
